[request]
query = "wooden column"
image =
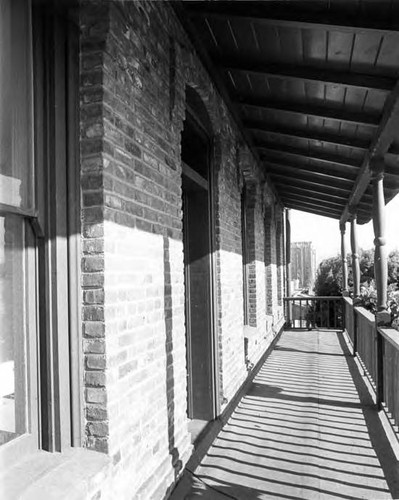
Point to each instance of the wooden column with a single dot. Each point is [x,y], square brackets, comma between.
[380,253]
[355,258]
[288,262]
[344,261]
[382,317]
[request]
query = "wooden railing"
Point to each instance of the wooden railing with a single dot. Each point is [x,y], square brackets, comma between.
[390,372]
[314,312]
[378,352]
[349,318]
[366,341]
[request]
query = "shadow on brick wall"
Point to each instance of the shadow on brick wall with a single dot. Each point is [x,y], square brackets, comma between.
[170,382]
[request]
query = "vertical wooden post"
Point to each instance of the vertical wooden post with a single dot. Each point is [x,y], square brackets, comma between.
[344,261]
[382,316]
[380,253]
[288,262]
[355,258]
[355,277]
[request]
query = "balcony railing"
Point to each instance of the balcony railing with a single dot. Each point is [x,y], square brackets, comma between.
[377,350]
[314,312]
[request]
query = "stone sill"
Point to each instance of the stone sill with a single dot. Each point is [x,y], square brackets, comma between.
[71,475]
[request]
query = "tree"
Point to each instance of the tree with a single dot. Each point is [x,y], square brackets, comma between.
[329,274]
[366,264]
[329,277]
[393,267]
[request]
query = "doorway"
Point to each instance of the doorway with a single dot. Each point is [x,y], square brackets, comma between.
[197,246]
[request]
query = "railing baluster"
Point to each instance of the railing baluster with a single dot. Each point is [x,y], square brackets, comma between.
[380,370]
[314,313]
[300,313]
[328,306]
[335,313]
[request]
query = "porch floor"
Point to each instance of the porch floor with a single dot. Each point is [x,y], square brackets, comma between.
[307,428]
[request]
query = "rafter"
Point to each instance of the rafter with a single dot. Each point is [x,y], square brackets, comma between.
[313,111]
[318,171]
[308,174]
[308,195]
[308,192]
[383,139]
[336,140]
[318,201]
[312,191]
[305,154]
[311,202]
[292,18]
[308,74]
[315,211]
[325,187]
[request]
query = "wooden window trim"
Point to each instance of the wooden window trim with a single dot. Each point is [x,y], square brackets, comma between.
[58,194]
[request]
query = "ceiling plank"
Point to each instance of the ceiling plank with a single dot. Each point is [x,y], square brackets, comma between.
[293,18]
[386,134]
[307,74]
[312,111]
[336,140]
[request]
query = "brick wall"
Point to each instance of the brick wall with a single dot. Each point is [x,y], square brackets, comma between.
[135,64]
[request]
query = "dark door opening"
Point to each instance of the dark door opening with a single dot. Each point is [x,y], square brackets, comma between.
[198,274]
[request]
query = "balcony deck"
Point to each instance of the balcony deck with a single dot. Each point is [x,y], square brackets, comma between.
[307,428]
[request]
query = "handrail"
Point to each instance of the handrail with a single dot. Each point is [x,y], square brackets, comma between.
[391,335]
[377,349]
[315,297]
[314,312]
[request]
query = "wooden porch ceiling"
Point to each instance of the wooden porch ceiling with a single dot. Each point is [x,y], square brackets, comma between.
[314,86]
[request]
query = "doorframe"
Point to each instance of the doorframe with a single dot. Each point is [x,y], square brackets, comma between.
[214,345]
[215,365]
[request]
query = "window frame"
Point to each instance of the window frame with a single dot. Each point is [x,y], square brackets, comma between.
[28,441]
[52,228]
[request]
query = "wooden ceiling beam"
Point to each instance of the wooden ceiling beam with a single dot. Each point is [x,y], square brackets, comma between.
[338,203]
[310,193]
[322,171]
[293,18]
[307,74]
[307,174]
[318,210]
[302,154]
[320,187]
[314,211]
[336,140]
[311,202]
[361,119]
[386,134]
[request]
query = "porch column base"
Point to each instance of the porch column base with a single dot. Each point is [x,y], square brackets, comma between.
[383,318]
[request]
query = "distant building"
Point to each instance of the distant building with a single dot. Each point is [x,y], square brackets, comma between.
[303,264]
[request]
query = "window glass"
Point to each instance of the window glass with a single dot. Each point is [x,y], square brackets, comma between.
[12,332]
[16,187]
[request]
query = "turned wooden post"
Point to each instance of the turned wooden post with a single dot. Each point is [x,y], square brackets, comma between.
[344,261]
[380,253]
[355,258]
[288,262]
[382,317]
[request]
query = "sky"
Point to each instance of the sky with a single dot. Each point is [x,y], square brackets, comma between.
[326,237]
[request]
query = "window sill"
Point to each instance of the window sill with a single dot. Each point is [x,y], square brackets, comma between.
[69,475]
